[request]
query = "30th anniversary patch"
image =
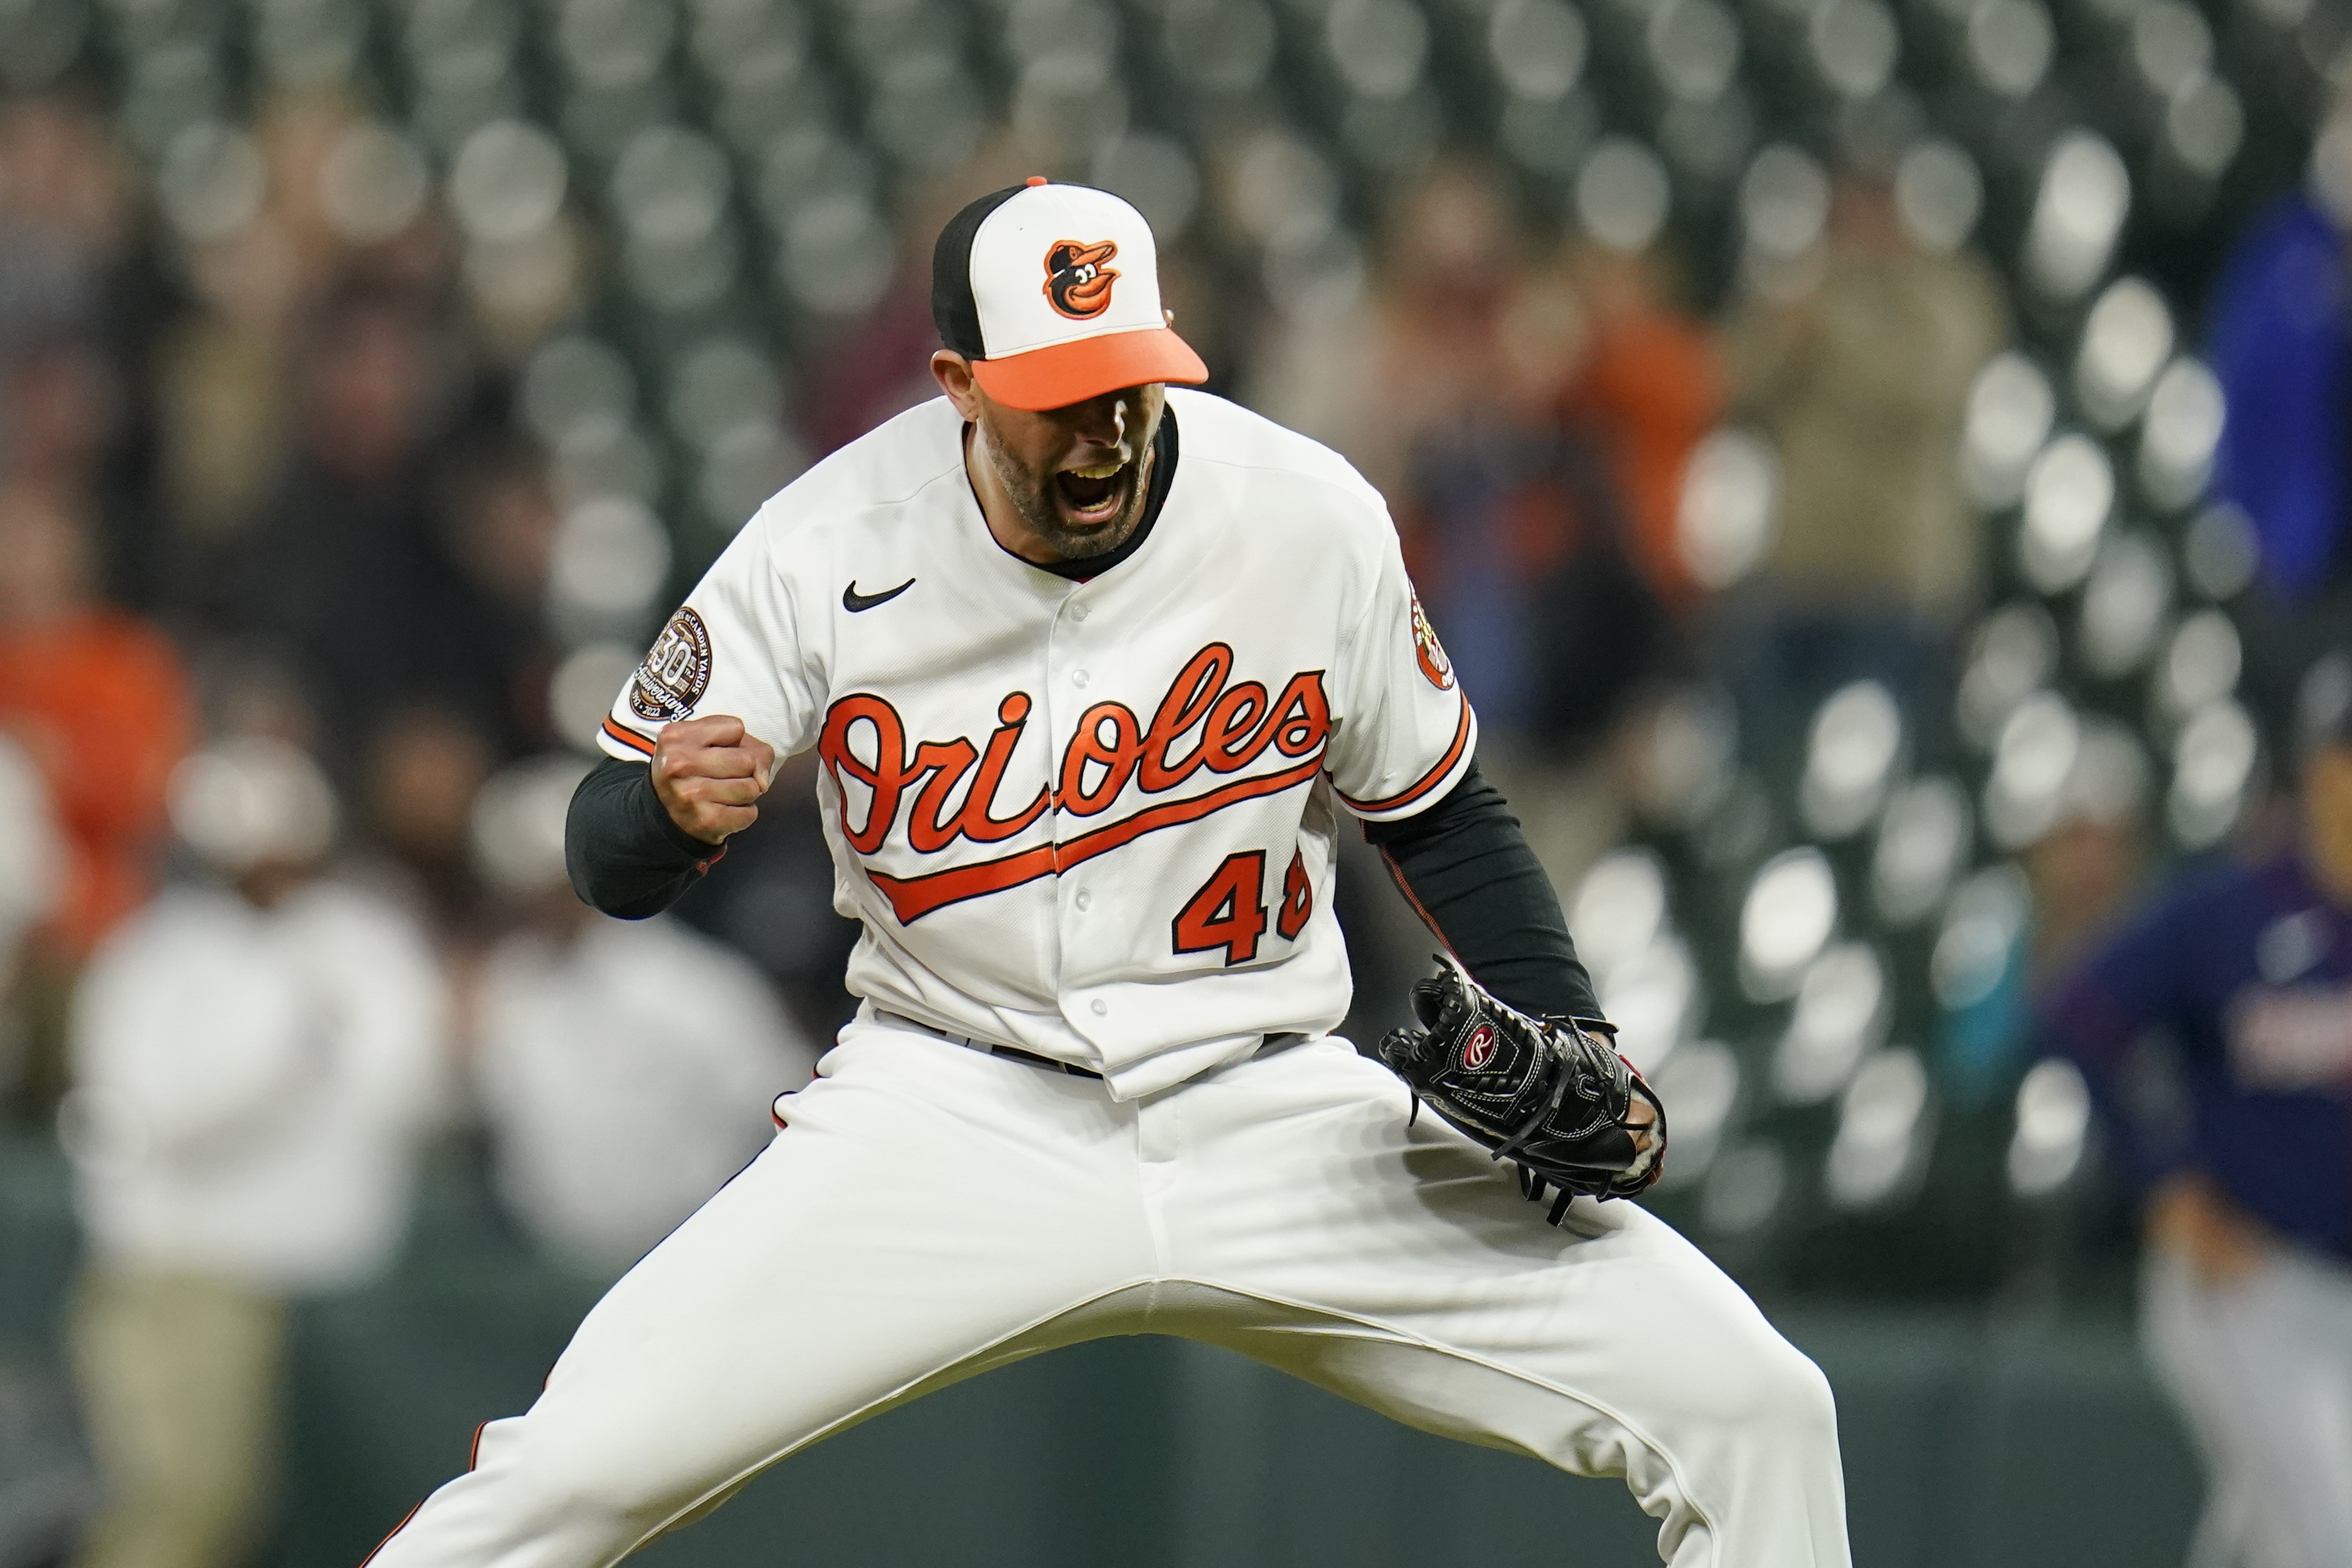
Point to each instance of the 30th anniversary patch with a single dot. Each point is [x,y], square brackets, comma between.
[676,671]
[1429,651]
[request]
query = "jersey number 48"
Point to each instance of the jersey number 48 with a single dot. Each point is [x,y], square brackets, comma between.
[1229,911]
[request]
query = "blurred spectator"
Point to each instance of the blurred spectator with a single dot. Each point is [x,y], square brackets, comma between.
[2282,347]
[2087,869]
[57,410]
[61,431]
[453,618]
[626,1068]
[879,362]
[1858,364]
[223,409]
[1462,387]
[75,315]
[1513,525]
[256,1057]
[299,134]
[423,766]
[1649,388]
[2215,1033]
[2080,878]
[1424,352]
[97,698]
[343,553]
[66,219]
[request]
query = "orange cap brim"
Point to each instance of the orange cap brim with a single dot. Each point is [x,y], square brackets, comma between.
[1065,373]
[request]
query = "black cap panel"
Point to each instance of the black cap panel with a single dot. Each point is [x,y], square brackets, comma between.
[954,310]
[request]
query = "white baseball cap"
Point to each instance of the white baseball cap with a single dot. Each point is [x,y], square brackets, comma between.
[1052,292]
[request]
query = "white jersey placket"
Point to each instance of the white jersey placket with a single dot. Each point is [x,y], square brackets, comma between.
[1068,694]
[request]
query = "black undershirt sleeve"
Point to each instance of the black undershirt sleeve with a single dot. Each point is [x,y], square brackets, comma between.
[626,856]
[1467,869]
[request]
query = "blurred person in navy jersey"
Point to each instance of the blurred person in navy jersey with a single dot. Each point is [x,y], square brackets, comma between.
[613,1114]
[2215,1031]
[256,1058]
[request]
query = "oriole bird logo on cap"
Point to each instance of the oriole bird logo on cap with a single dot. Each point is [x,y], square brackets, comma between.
[1078,284]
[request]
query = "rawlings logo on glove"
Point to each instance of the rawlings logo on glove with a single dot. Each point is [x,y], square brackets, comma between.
[1542,1093]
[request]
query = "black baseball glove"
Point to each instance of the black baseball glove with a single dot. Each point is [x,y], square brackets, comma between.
[1541,1092]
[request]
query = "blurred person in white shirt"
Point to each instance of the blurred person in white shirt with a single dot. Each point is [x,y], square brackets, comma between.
[256,1056]
[613,1112]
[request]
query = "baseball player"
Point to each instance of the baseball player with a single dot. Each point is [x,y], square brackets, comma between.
[2215,1031]
[1092,669]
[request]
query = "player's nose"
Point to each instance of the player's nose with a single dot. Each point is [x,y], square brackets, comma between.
[1102,421]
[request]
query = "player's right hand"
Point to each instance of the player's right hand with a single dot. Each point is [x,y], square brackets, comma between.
[710,774]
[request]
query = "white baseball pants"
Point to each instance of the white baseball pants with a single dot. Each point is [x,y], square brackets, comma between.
[2263,1368]
[929,1211]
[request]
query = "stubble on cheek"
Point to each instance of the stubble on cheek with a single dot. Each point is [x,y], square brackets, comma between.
[1026,490]
[1032,496]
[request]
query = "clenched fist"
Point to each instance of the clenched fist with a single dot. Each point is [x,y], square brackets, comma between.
[710,774]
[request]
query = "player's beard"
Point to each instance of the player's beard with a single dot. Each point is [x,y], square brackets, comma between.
[1033,495]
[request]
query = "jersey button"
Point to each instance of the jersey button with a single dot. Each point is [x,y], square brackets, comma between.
[1078,677]
[1101,1006]
[1078,612]
[1084,902]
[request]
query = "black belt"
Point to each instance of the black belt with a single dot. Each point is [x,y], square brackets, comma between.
[1266,1046]
[989,1048]
[1034,1060]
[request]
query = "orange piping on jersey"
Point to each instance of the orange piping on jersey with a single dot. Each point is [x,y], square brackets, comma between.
[912,897]
[473,1460]
[628,736]
[1430,780]
[395,1530]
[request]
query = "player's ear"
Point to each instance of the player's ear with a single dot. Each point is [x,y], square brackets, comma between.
[953,373]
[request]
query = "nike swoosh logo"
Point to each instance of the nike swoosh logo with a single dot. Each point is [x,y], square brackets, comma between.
[853,600]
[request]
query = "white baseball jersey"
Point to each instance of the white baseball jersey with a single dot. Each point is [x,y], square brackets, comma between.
[1092,819]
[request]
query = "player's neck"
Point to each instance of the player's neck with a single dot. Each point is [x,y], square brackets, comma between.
[1012,531]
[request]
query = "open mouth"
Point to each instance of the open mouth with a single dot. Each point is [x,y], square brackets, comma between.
[1090,497]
